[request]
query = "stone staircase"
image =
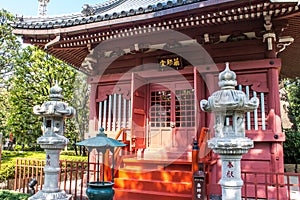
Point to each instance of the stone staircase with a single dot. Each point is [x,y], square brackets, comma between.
[154,180]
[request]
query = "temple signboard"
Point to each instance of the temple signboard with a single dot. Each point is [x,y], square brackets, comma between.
[174,62]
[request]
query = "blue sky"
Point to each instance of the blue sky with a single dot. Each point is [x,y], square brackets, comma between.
[55,7]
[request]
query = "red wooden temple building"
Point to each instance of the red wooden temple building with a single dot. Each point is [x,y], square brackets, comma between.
[150,63]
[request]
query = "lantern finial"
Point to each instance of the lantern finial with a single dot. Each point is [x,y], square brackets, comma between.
[56,92]
[227,78]
[101,132]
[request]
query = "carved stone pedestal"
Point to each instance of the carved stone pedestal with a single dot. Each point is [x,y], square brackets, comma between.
[51,191]
[42,195]
[229,106]
[231,151]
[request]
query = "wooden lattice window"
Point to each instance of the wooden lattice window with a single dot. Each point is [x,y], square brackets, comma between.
[185,110]
[255,120]
[167,107]
[160,111]
[114,113]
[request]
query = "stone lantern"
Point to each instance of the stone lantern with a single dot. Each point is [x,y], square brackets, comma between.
[53,112]
[101,189]
[229,106]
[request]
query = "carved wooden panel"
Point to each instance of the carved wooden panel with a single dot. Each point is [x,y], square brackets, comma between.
[257,81]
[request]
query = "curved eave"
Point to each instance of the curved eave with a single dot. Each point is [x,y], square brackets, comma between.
[291,55]
[115,22]
[75,41]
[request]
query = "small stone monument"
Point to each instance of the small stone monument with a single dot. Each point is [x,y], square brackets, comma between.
[53,112]
[229,106]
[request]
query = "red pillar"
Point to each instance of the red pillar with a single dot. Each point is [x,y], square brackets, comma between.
[277,163]
[93,108]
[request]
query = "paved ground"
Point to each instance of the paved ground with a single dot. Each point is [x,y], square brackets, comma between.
[294,190]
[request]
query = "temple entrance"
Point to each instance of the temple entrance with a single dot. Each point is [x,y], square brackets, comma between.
[163,114]
[171,116]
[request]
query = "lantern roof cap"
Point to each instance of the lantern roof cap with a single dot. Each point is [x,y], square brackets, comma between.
[101,140]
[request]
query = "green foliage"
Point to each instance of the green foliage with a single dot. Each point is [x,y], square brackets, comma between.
[26,147]
[4,107]
[292,143]
[68,153]
[33,77]
[292,87]
[8,164]
[26,76]
[7,171]
[292,147]
[73,158]
[9,195]
[81,103]
[10,48]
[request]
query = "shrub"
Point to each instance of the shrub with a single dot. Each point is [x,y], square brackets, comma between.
[7,171]
[8,165]
[68,153]
[8,195]
[292,147]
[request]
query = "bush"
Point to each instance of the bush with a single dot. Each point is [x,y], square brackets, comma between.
[68,153]
[8,195]
[8,164]
[27,147]
[292,147]
[7,171]
[18,148]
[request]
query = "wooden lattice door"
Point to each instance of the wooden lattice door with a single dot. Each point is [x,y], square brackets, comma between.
[171,115]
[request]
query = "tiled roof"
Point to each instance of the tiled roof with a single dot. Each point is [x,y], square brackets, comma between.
[108,10]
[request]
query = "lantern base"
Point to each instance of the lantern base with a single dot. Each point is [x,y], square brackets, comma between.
[100,190]
[41,195]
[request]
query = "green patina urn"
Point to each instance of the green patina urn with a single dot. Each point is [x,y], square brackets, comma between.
[100,190]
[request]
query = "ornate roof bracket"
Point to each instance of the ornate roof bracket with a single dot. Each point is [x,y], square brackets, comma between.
[241,36]
[91,61]
[268,23]
[275,44]
[269,36]
[53,42]
[89,47]
[283,42]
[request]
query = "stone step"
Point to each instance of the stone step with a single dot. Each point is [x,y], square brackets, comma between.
[154,179]
[171,154]
[162,175]
[154,185]
[150,164]
[127,194]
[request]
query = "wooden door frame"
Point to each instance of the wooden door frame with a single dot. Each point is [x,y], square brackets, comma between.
[140,140]
[196,82]
[173,87]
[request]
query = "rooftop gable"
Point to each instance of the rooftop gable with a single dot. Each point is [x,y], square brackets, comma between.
[111,10]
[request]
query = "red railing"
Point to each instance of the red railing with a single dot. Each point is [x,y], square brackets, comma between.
[263,185]
[257,185]
[25,170]
[73,177]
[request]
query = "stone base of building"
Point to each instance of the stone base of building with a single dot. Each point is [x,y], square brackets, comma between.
[41,195]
